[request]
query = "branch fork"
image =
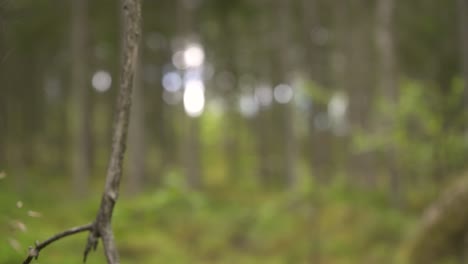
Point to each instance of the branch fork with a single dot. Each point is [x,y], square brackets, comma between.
[101,227]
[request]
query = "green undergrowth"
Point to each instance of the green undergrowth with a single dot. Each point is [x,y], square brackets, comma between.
[221,225]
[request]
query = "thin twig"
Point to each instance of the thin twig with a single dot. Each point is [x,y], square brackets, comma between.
[34,251]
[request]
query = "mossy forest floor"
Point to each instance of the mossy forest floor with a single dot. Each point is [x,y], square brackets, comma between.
[330,225]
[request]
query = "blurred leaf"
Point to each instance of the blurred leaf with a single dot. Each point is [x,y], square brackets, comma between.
[15,244]
[34,214]
[18,225]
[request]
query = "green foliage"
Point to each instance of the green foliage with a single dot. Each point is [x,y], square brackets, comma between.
[424,128]
[234,220]
[319,94]
[175,225]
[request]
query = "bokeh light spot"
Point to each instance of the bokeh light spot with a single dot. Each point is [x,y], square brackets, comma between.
[283,93]
[194,98]
[194,56]
[101,81]
[172,82]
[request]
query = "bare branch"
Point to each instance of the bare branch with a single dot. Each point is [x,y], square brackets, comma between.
[101,228]
[34,251]
[131,10]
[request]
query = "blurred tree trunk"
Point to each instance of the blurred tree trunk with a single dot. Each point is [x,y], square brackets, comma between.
[355,74]
[164,133]
[23,111]
[161,138]
[231,93]
[360,73]
[3,96]
[462,6]
[191,154]
[262,136]
[31,109]
[191,148]
[81,107]
[361,92]
[231,136]
[340,63]
[320,139]
[282,69]
[137,135]
[3,128]
[262,123]
[388,84]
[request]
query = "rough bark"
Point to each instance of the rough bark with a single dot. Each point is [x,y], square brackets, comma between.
[442,229]
[80,111]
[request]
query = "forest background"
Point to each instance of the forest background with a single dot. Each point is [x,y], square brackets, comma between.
[300,131]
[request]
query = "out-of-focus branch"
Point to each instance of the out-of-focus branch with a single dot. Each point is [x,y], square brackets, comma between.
[442,231]
[34,251]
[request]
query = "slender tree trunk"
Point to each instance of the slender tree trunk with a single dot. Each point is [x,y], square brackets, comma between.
[359,84]
[231,139]
[462,7]
[319,141]
[81,115]
[340,63]
[162,136]
[3,101]
[3,132]
[191,151]
[319,147]
[260,126]
[192,159]
[262,123]
[137,135]
[286,111]
[387,83]
[28,120]
[386,50]
[231,91]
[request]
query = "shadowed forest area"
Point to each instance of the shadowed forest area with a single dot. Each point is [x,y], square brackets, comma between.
[261,131]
